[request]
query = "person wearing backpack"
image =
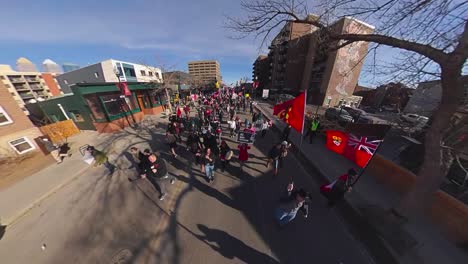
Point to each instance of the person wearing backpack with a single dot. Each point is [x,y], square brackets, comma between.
[336,190]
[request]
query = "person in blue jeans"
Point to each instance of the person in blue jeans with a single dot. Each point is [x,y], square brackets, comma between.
[294,201]
[209,164]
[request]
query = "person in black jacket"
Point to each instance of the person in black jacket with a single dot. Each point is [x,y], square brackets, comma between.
[223,151]
[286,132]
[155,171]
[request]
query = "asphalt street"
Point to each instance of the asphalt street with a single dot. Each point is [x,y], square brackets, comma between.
[99,218]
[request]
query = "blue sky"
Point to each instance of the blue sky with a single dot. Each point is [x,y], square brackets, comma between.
[152,32]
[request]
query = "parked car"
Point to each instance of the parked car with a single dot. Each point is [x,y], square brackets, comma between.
[283,98]
[338,114]
[415,119]
[354,112]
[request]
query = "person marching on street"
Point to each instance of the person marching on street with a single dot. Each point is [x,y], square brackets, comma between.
[156,172]
[273,156]
[172,142]
[232,127]
[313,129]
[208,161]
[54,150]
[100,158]
[336,190]
[284,152]
[294,201]
[243,154]
[265,127]
[286,132]
[251,108]
[225,154]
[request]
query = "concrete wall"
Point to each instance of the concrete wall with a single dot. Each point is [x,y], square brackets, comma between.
[85,74]
[147,78]
[447,212]
[7,151]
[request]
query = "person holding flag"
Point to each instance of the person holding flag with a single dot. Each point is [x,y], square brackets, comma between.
[336,190]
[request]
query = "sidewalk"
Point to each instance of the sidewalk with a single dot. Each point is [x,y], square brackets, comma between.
[16,200]
[431,246]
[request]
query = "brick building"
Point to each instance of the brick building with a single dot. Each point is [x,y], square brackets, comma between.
[17,133]
[261,72]
[299,61]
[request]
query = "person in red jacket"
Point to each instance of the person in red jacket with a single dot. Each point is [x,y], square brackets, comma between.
[336,190]
[243,154]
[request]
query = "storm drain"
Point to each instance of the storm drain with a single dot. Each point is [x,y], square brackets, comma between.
[122,257]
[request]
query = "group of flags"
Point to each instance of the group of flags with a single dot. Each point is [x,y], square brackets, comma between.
[358,142]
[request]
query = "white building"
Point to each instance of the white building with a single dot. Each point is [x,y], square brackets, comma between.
[103,72]
[49,65]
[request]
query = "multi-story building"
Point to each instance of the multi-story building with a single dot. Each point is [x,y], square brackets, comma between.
[261,72]
[426,98]
[25,87]
[25,65]
[49,65]
[103,72]
[68,67]
[300,58]
[50,79]
[17,133]
[206,71]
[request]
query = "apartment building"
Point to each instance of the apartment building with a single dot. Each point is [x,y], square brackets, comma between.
[17,133]
[261,72]
[207,71]
[68,67]
[24,87]
[301,58]
[103,72]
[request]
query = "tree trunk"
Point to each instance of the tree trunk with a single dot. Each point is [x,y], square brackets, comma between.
[433,171]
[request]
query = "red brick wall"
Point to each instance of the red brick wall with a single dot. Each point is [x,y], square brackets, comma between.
[118,124]
[49,79]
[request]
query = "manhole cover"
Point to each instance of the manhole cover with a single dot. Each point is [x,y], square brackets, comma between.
[122,257]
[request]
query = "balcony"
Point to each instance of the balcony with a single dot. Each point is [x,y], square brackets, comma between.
[37,88]
[27,96]
[32,79]
[17,80]
[22,89]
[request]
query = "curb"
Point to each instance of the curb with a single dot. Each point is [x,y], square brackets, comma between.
[351,216]
[12,220]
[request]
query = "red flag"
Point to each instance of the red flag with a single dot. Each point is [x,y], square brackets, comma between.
[255,84]
[292,112]
[123,87]
[361,148]
[336,141]
[179,113]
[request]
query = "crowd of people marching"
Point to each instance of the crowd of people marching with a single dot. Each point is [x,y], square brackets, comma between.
[203,134]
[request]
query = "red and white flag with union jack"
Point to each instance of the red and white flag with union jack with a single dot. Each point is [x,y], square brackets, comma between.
[361,148]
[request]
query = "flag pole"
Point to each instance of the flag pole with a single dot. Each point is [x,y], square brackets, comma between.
[303,118]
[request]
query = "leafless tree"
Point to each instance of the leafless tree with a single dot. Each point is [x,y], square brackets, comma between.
[433,38]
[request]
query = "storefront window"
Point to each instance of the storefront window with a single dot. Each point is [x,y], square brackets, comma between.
[117,106]
[95,106]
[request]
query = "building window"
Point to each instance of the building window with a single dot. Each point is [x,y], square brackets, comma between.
[76,116]
[4,117]
[2,77]
[21,145]
[143,73]
[7,85]
[96,74]
[157,74]
[150,73]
